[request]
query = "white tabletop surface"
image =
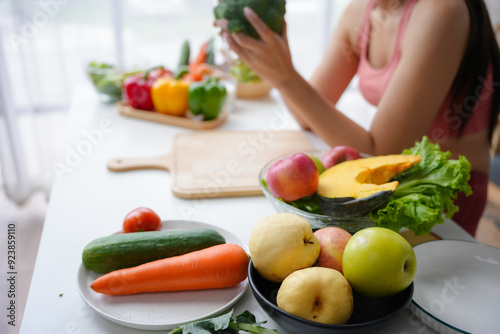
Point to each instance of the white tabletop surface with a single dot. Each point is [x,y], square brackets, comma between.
[88,201]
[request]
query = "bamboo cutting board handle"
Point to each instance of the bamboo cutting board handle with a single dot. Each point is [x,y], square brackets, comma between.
[126,164]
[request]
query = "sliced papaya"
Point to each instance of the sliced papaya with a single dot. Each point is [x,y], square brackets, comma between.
[356,187]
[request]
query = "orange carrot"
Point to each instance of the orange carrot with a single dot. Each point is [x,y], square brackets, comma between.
[219,266]
[201,57]
[197,73]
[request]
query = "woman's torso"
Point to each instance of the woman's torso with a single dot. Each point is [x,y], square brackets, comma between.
[379,56]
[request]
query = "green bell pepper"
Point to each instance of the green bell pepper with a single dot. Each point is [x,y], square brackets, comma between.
[207,98]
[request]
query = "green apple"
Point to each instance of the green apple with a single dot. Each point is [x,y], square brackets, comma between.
[318,163]
[281,243]
[317,294]
[378,262]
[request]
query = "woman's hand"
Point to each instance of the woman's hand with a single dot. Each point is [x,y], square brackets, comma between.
[268,56]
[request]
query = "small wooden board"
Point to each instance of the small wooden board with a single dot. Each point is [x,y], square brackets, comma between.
[210,164]
[189,121]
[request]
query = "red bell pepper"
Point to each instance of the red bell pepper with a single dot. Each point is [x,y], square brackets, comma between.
[137,88]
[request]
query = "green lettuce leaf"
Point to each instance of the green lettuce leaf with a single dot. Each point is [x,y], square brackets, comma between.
[426,192]
[243,73]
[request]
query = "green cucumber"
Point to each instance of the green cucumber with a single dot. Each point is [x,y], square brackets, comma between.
[185,54]
[127,250]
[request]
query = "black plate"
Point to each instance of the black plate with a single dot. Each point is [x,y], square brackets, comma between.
[369,314]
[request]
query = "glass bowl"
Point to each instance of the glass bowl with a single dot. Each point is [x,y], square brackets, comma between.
[369,314]
[317,221]
[107,73]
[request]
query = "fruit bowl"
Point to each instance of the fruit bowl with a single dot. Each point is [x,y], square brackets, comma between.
[369,314]
[317,221]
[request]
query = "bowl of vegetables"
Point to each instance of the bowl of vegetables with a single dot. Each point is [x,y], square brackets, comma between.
[248,84]
[107,74]
[415,189]
[309,207]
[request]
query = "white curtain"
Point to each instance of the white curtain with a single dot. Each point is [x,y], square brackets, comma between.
[25,97]
[44,44]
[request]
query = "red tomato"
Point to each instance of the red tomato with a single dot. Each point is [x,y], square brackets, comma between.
[141,219]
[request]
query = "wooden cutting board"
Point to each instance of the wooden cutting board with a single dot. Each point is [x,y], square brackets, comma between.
[189,121]
[210,164]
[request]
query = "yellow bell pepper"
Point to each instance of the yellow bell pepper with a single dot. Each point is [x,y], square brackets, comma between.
[170,96]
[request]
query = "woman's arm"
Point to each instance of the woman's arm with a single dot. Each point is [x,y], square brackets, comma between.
[431,54]
[340,59]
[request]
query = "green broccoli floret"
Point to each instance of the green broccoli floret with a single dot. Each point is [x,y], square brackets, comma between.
[270,11]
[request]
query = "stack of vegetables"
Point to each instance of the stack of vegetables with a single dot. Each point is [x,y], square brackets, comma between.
[190,87]
[153,260]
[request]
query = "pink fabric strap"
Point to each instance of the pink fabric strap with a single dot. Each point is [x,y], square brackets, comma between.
[373,82]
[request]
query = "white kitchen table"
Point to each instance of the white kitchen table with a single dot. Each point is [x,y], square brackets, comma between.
[89,201]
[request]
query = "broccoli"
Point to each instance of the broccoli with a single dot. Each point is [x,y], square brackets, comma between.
[270,11]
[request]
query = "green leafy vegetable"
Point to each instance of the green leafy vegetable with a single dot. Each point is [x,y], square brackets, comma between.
[107,78]
[426,191]
[225,324]
[309,203]
[270,11]
[243,73]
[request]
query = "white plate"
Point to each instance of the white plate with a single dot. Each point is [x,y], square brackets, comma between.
[457,286]
[162,310]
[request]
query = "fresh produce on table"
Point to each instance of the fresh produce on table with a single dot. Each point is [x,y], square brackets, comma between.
[338,154]
[319,165]
[108,79]
[293,177]
[375,262]
[137,87]
[271,12]
[170,96]
[140,220]
[126,250]
[282,243]
[426,191]
[414,189]
[249,84]
[354,188]
[167,92]
[225,323]
[332,241]
[219,266]
[183,59]
[200,67]
[379,262]
[207,98]
[317,294]
[242,73]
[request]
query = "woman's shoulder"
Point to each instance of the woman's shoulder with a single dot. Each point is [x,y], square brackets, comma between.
[442,11]
[351,21]
[439,20]
[356,8]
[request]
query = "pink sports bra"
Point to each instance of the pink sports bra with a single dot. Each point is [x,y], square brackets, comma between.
[373,83]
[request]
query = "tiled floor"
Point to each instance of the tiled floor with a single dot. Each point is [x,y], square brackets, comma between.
[28,220]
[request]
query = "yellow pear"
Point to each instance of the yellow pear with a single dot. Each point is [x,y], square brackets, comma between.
[317,294]
[282,243]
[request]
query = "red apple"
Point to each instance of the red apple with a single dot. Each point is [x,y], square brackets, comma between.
[332,242]
[293,177]
[338,154]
